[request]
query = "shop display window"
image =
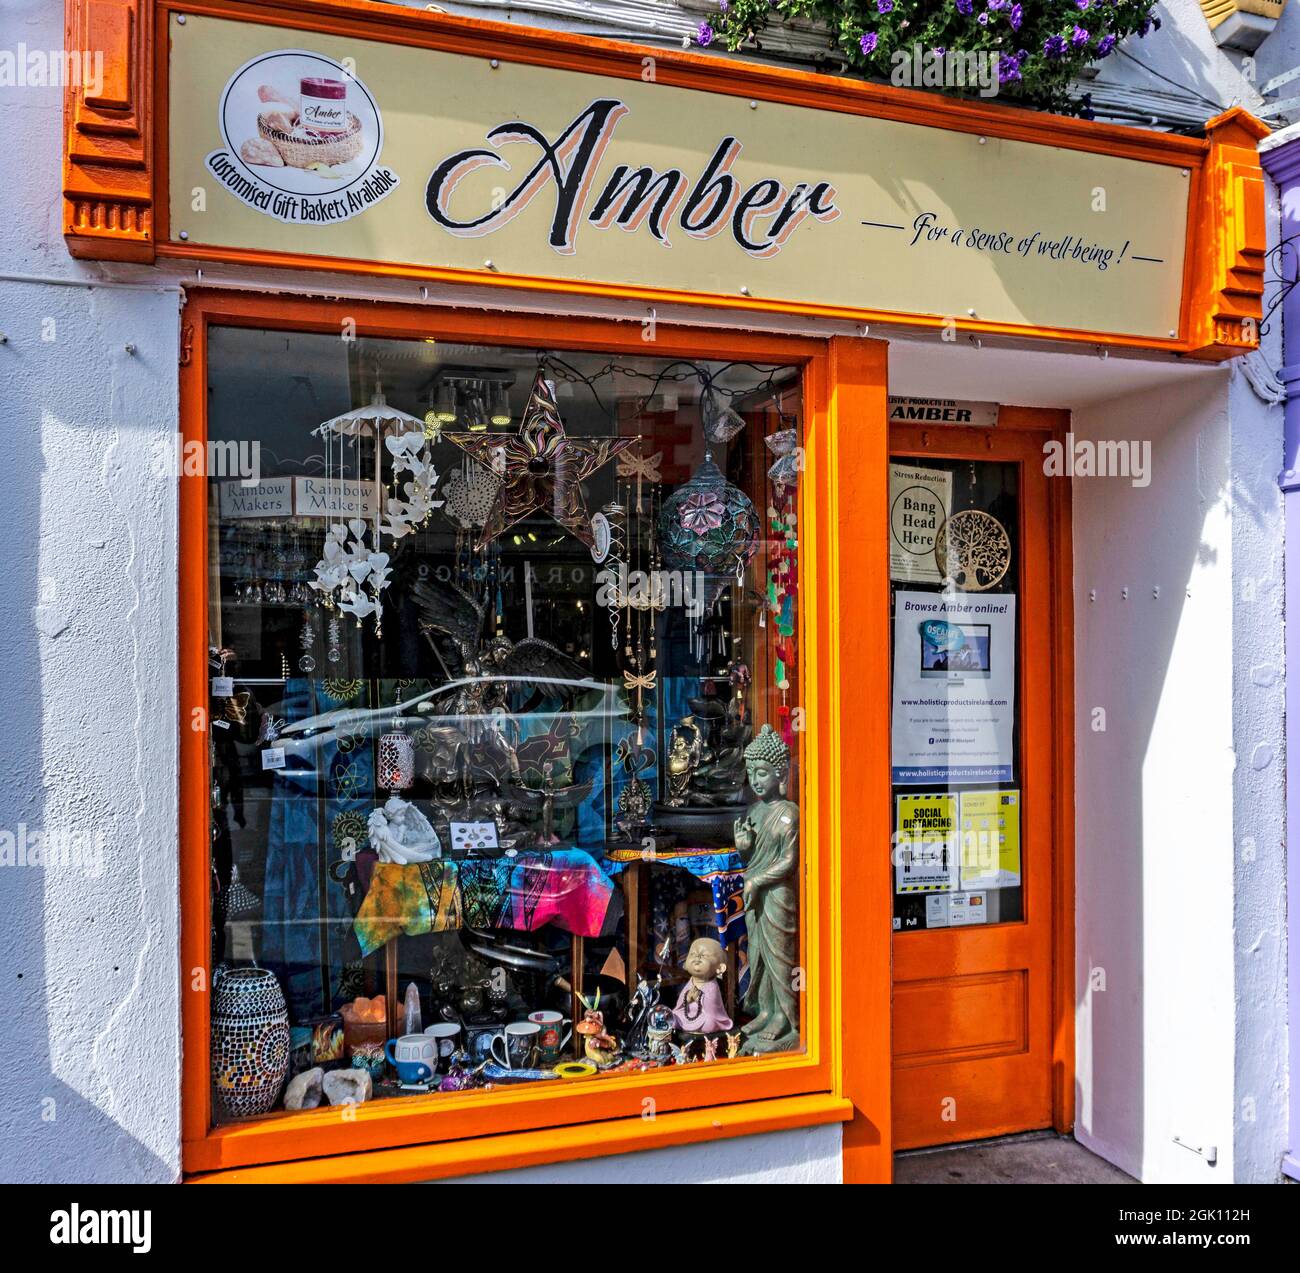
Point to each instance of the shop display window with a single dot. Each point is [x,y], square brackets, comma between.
[506,743]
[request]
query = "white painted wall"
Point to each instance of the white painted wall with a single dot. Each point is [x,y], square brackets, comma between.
[1179,920]
[88,715]
[806,1156]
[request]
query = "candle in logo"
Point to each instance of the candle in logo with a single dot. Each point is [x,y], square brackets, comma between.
[324,104]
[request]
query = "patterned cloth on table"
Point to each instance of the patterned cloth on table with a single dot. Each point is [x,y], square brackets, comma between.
[414,899]
[565,888]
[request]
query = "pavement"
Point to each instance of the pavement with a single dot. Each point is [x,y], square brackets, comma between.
[1036,1158]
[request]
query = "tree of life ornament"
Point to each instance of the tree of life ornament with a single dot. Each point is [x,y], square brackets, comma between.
[972,551]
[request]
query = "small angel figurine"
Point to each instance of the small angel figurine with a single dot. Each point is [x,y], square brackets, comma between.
[400,833]
[700,1009]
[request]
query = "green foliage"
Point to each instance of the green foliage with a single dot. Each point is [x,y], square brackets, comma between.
[1039,46]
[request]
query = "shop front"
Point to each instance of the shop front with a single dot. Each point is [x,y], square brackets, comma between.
[608,719]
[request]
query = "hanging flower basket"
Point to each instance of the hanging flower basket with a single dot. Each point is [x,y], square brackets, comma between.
[1023,51]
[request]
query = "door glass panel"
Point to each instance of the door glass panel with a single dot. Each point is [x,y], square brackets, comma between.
[955,570]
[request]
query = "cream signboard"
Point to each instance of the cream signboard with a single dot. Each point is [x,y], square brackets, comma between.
[300,143]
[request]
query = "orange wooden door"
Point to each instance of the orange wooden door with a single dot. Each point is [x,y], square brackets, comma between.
[978,1048]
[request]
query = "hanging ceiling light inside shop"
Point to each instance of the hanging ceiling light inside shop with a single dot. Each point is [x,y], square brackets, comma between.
[475,398]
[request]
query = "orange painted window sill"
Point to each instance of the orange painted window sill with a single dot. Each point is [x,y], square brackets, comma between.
[413,1163]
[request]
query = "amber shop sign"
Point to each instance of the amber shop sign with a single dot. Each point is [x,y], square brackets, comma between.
[358,151]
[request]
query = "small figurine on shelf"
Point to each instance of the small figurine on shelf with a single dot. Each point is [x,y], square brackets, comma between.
[659,1033]
[461,1073]
[733,1044]
[681,1055]
[700,1009]
[711,1049]
[680,767]
[600,1047]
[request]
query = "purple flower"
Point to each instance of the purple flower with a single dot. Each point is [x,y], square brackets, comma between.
[884,6]
[1008,70]
[1016,17]
[869,42]
[723,6]
[1054,46]
[964,7]
[1105,45]
[704,37]
[983,19]
[1082,4]
[995,5]
[1079,38]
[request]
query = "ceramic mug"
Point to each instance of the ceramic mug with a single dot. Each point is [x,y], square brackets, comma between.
[446,1034]
[413,1056]
[513,1046]
[550,1042]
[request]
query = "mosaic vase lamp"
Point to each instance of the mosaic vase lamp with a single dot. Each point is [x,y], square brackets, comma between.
[250,1042]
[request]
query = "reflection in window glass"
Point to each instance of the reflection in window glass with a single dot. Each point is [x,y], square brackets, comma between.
[505,653]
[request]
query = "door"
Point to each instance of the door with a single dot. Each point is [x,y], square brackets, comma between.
[981,1038]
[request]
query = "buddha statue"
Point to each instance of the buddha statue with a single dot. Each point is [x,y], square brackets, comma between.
[767,838]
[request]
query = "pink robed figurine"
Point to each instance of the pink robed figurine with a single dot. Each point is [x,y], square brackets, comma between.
[700,1009]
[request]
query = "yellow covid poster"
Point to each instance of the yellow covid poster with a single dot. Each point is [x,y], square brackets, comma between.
[990,839]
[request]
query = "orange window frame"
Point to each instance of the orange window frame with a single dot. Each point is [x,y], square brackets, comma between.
[844,1074]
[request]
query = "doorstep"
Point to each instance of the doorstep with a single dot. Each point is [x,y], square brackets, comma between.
[1034,1158]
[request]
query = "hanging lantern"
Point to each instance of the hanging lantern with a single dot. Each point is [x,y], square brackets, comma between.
[396,768]
[708,525]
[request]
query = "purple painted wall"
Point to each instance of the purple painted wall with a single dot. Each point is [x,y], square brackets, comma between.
[1280,156]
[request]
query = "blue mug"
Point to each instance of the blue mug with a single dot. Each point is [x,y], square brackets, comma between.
[413,1056]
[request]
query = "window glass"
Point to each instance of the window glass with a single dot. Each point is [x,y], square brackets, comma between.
[504,649]
[955,565]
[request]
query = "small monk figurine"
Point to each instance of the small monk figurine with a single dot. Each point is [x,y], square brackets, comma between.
[767,838]
[700,1009]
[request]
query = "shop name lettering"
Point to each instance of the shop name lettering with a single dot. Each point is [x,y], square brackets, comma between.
[760,217]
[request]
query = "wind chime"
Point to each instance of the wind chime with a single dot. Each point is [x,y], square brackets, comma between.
[638,596]
[353,570]
[783,562]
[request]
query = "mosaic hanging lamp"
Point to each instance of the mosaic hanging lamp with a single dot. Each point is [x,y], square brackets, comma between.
[708,525]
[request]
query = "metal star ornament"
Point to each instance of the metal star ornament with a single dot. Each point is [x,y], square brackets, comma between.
[539,468]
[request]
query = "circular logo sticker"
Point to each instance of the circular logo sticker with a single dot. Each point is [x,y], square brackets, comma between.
[303,137]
